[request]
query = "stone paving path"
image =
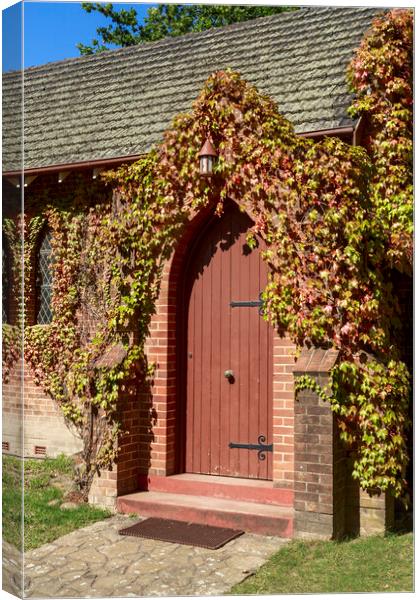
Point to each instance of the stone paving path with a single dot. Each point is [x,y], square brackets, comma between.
[97,562]
[11,569]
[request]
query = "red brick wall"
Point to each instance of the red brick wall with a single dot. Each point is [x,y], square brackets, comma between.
[43,423]
[23,401]
[283,412]
[12,413]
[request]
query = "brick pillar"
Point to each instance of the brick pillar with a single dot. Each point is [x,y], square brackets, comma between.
[320,459]
[124,476]
[283,411]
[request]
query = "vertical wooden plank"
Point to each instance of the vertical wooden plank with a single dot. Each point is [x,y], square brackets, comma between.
[245,356]
[203,444]
[235,345]
[269,401]
[226,388]
[263,392]
[198,363]
[262,420]
[255,358]
[189,405]
[266,367]
[200,369]
[215,333]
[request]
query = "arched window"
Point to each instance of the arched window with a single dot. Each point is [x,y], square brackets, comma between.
[5,276]
[44,280]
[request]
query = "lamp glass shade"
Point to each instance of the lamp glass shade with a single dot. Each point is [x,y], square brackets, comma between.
[206,165]
[207,156]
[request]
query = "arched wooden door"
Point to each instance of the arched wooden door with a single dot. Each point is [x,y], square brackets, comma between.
[227,416]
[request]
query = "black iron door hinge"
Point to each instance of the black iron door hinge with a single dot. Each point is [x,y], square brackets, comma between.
[261,447]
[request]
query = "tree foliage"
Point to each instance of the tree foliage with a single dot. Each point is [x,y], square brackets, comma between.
[165,20]
[331,239]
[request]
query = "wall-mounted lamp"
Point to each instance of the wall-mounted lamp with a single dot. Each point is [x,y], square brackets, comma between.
[208,157]
[28,179]
[62,176]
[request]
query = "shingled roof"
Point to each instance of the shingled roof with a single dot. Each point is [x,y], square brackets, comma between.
[118,103]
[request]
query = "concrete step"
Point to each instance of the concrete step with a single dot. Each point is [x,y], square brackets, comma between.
[233,488]
[264,519]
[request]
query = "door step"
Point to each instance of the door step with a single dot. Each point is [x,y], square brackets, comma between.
[264,519]
[229,488]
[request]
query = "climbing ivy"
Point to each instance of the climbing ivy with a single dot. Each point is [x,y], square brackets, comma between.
[11,332]
[63,354]
[330,250]
[381,75]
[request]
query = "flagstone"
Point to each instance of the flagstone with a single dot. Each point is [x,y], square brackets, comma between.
[96,562]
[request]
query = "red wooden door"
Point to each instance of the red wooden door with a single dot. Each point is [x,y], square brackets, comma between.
[223,411]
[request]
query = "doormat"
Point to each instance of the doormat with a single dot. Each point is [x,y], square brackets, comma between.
[180,532]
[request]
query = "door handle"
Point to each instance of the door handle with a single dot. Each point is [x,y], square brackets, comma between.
[229,376]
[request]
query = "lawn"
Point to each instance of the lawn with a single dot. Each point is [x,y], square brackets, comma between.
[46,484]
[373,564]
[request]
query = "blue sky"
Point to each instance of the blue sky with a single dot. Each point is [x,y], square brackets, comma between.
[51,31]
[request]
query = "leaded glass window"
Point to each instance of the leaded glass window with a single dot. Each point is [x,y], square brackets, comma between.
[44,281]
[5,284]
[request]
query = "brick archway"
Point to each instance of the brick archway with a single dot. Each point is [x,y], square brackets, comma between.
[162,349]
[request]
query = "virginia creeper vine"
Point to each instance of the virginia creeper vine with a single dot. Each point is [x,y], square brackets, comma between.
[336,220]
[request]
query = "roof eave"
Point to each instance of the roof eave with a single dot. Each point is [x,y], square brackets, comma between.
[88,164]
[110,162]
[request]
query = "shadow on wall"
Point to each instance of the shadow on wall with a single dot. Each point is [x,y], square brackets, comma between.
[138,418]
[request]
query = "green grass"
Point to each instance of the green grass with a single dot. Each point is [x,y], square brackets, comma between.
[373,564]
[45,481]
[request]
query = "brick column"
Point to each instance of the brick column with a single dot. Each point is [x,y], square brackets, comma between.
[320,459]
[124,476]
[283,411]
